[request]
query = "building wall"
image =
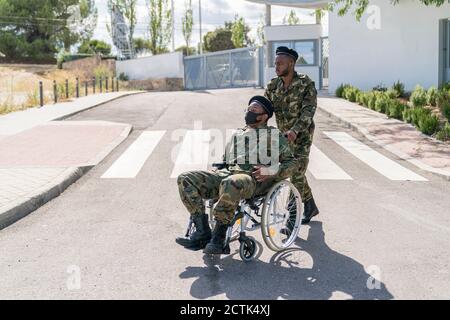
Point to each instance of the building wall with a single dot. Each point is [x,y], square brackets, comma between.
[405,48]
[161,66]
[288,33]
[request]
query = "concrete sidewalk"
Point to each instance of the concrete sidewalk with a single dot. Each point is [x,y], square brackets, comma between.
[40,158]
[19,121]
[399,138]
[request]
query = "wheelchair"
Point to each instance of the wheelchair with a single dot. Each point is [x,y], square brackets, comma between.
[278,214]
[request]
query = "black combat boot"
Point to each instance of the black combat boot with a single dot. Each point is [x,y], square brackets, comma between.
[311,210]
[217,243]
[200,237]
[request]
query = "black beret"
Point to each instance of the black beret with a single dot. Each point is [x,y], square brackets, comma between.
[288,52]
[265,103]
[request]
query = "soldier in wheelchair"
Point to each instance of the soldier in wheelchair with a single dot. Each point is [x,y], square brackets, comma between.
[242,175]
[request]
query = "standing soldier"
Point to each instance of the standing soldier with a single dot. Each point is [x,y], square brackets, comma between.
[294,99]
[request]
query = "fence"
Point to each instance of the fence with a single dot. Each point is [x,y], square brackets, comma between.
[18,95]
[224,69]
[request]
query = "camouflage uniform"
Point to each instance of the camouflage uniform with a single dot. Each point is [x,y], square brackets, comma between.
[235,182]
[294,109]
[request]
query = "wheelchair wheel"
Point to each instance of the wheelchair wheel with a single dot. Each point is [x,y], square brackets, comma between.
[247,249]
[281,216]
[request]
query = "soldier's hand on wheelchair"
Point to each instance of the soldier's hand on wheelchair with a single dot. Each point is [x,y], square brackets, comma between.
[262,173]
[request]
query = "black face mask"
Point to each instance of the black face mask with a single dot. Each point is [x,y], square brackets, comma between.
[250,117]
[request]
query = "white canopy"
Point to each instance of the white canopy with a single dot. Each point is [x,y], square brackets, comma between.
[308,4]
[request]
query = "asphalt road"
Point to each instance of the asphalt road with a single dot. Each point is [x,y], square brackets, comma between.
[375,238]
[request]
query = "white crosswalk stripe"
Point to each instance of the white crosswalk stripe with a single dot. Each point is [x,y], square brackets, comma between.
[323,168]
[387,167]
[193,153]
[131,161]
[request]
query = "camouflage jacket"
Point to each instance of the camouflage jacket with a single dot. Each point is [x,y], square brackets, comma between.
[249,147]
[295,106]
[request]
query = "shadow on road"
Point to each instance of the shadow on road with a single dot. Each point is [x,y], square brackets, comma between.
[284,277]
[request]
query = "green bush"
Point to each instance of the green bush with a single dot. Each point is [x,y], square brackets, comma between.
[431,96]
[395,109]
[351,94]
[428,124]
[444,133]
[443,102]
[382,103]
[372,99]
[407,114]
[341,89]
[399,88]
[419,97]
[418,113]
[123,77]
[392,94]
[362,98]
[381,88]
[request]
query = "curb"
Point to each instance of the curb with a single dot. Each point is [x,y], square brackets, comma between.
[21,208]
[96,105]
[437,172]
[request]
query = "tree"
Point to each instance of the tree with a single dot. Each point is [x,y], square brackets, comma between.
[361,5]
[128,9]
[160,25]
[95,47]
[187,24]
[218,40]
[291,18]
[141,45]
[37,30]
[239,32]
[186,51]
[260,31]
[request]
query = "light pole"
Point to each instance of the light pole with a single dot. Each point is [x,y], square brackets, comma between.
[200,22]
[173,27]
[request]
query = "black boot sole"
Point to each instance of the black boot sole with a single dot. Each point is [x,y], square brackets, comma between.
[195,246]
[307,220]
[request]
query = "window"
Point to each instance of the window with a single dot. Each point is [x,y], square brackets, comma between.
[306,50]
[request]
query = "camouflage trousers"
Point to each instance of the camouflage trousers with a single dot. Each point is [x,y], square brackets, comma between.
[301,151]
[225,187]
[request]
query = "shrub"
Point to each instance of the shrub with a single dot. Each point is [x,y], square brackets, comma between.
[407,114]
[372,99]
[381,103]
[443,102]
[351,94]
[444,133]
[428,123]
[381,88]
[341,89]
[399,88]
[395,109]
[392,94]
[419,97]
[418,113]
[431,96]
[102,72]
[361,98]
[123,77]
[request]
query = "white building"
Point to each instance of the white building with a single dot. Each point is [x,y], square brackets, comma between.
[408,42]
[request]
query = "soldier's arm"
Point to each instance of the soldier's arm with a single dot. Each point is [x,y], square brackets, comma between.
[288,163]
[307,109]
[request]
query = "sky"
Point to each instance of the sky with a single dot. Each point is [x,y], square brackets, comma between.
[214,14]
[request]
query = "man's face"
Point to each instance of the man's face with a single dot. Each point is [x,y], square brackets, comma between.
[256,108]
[283,65]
